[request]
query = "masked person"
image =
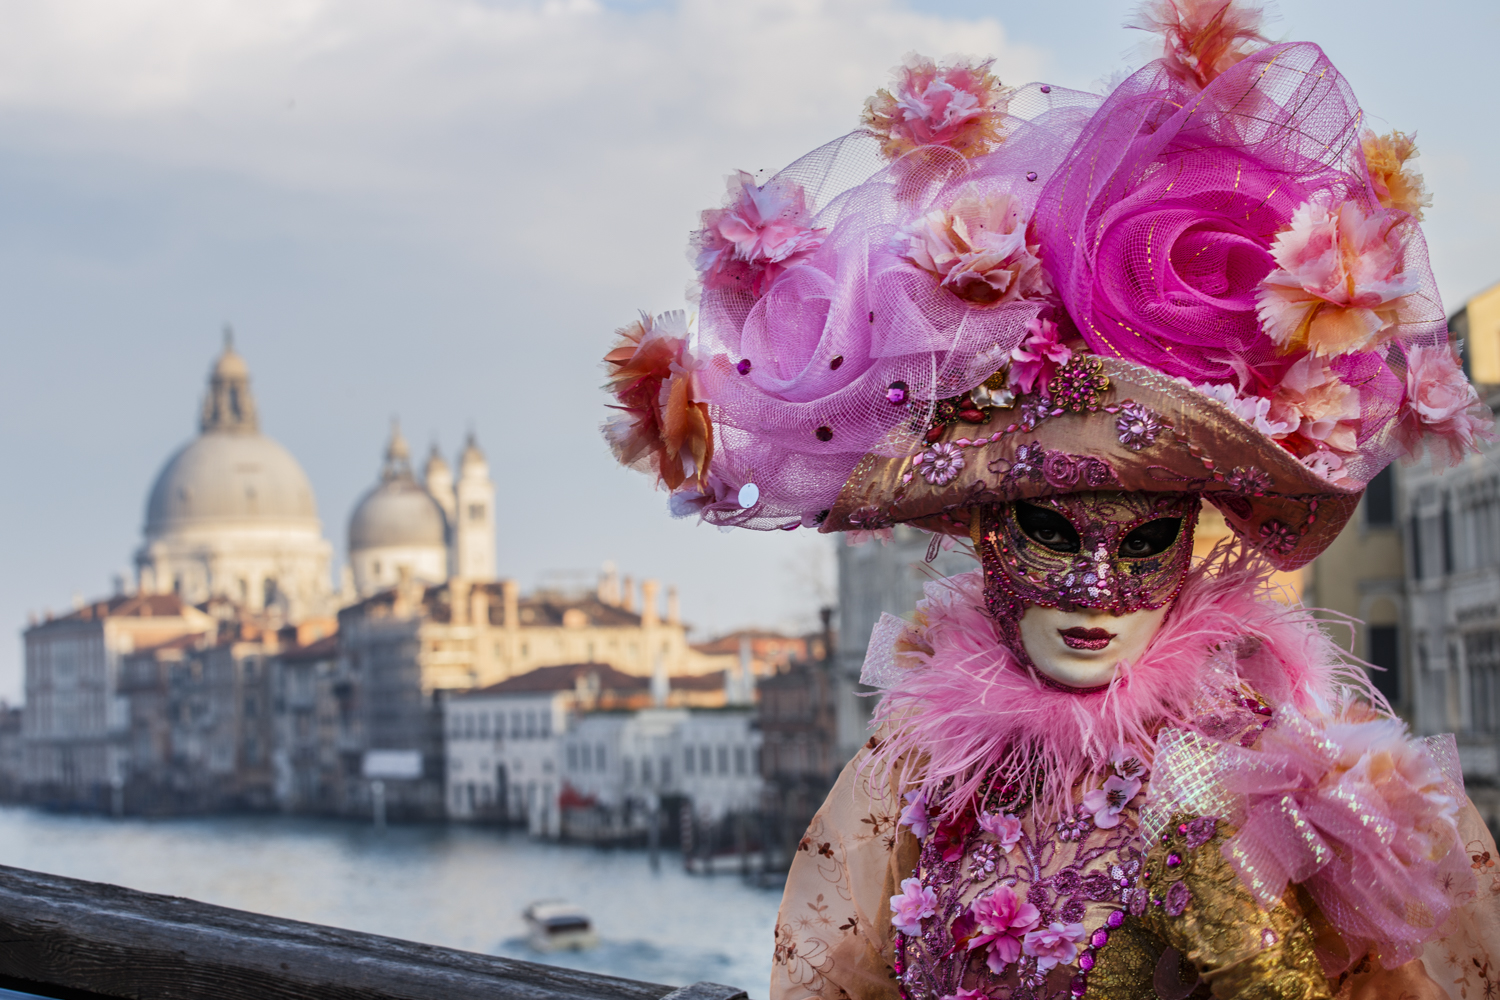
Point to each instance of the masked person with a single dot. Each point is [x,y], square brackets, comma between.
[1051,325]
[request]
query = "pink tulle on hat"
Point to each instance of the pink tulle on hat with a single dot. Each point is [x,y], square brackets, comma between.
[913,281]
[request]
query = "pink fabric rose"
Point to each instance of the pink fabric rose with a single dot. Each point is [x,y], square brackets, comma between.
[1038,356]
[959,106]
[1340,282]
[1108,802]
[1005,828]
[915,815]
[1055,944]
[1441,406]
[915,903]
[1001,921]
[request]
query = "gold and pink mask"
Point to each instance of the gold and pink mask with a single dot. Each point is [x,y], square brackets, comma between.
[1118,552]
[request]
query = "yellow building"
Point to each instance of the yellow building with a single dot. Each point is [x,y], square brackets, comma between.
[462,634]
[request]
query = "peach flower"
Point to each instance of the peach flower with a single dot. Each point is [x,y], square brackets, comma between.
[1319,406]
[661,427]
[1202,38]
[978,249]
[1397,183]
[959,106]
[1339,284]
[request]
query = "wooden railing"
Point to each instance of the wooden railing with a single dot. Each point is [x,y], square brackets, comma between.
[73,940]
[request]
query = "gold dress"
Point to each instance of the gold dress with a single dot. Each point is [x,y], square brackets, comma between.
[1168,918]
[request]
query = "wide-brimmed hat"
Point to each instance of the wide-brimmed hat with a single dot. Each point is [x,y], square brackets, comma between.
[1213,279]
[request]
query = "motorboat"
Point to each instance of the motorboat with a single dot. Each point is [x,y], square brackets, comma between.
[553,925]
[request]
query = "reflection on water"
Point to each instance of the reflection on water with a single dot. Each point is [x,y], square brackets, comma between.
[452,886]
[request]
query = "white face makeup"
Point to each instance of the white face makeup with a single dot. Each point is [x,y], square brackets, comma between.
[1082,648]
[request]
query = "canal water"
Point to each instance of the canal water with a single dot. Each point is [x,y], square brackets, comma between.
[444,885]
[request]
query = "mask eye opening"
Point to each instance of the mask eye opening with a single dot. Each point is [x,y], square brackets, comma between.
[1151,539]
[1047,527]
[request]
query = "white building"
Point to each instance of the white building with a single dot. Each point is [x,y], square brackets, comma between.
[503,744]
[232,514]
[710,756]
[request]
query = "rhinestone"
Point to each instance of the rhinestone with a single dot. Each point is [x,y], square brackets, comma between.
[1173,860]
[1100,938]
[895,393]
[824,433]
[1115,918]
[743,367]
[1031,175]
[838,359]
[749,495]
[1046,89]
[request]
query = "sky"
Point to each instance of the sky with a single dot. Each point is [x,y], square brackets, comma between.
[441,209]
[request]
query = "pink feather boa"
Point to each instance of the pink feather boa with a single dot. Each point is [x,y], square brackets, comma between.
[968,709]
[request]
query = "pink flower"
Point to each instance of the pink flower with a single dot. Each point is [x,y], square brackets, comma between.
[1320,406]
[881,535]
[978,249]
[958,106]
[915,815]
[1005,828]
[1339,285]
[964,994]
[1055,944]
[1202,38]
[915,903]
[1253,410]
[1107,803]
[1127,762]
[1038,356]
[941,463]
[1000,921]
[759,233]
[1441,403]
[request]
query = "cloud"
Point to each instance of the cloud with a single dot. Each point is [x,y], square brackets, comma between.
[519,129]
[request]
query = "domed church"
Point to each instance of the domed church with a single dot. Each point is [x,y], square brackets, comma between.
[232,514]
[434,529]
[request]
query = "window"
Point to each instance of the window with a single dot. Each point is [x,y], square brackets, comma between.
[599,757]
[1380,500]
[705,758]
[688,757]
[1482,656]
[629,767]
[572,757]
[739,760]
[530,725]
[546,724]
[515,724]
[645,770]
[484,727]
[1383,650]
[666,770]
[723,760]
[476,512]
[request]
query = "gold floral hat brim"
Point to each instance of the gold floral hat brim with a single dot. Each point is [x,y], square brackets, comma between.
[1111,425]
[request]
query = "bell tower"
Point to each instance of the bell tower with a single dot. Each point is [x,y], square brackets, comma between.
[474,516]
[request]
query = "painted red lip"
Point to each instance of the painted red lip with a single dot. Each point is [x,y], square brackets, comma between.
[1086,638]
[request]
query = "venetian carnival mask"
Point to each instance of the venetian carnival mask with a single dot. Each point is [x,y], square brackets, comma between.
[1082,581]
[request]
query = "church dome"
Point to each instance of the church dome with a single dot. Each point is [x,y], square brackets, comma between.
[231,473]
[398,512]
[222,476]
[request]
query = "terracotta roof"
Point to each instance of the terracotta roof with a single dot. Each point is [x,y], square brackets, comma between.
[543,680]
[698,682]
[325,648]
[126,606]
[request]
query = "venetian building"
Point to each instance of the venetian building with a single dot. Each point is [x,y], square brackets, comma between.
[399,525]
[232,514]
